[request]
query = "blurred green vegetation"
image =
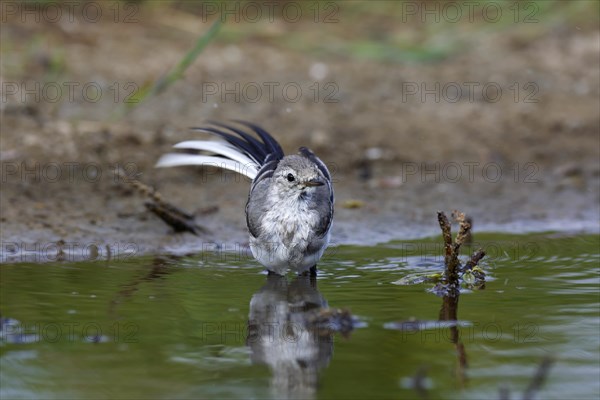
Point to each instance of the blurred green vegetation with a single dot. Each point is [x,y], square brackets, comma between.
[382,31]
[173,75]
[389,31]
[394,31]
[400,31]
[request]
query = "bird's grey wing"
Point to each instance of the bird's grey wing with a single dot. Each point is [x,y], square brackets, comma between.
[323,203]
[324,198]
[258,204]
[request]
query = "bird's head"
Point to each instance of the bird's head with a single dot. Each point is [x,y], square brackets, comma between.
[296,174]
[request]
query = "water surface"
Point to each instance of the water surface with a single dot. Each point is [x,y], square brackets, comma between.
[215,326]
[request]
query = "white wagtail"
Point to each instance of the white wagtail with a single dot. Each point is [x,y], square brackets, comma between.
[290,204]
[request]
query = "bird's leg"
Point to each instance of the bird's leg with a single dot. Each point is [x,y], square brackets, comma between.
[312,280]
[312,272]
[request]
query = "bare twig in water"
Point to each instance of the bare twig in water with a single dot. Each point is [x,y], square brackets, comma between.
[536,383]
[159,268]
[475,258]
[453,269]
[469,236]
[504,392]
[451,261]
[327,320]
[173,216]
[446,228]
[419,382]
[449,288]
[538,379]
[463,231]
[449,312]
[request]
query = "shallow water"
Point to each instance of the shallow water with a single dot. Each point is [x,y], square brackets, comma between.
[167,327]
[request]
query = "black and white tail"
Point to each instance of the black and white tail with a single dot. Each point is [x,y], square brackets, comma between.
[240,151]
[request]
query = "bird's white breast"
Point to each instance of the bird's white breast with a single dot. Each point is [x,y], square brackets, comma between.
[287,230]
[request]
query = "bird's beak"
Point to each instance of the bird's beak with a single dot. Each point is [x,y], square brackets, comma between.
[314,182]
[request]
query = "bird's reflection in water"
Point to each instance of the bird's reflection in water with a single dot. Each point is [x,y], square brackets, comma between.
[291,330]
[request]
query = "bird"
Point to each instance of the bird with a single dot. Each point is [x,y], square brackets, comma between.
[289,212]
[291,331]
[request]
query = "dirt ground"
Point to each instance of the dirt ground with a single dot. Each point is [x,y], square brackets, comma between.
[518,150]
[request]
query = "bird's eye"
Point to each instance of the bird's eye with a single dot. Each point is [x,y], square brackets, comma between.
[290,178]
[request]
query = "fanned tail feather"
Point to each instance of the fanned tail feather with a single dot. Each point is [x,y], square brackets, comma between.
[222,149]
[179,159]
[241,152]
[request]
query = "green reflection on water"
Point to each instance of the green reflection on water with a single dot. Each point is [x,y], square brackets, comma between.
[178,327]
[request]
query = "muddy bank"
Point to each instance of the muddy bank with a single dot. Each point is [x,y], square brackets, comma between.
[84,220]
[505,128]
